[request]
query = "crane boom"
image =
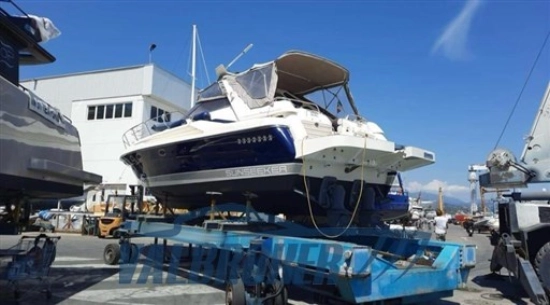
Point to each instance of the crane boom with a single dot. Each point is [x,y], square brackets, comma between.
[534,166]
[523,242]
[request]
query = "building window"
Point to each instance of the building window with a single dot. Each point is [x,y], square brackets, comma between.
[110,111]
[100,112]
[91,112]
[159,115]
[153,112]
[118,111]
[128,110]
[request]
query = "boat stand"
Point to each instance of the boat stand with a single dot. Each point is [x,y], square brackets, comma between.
[257,256]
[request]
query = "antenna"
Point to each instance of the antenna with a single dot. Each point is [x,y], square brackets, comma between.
[193,65]
[221,70]
[240,55]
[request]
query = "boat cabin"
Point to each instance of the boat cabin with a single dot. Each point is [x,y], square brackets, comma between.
[19,41]
[302,79]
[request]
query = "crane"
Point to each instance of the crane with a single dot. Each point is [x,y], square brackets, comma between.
[523,243]
[473,179]
[440,200]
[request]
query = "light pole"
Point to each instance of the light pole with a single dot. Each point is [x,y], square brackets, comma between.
[151,48]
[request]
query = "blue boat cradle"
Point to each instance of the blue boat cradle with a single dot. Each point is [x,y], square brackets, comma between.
[361,265]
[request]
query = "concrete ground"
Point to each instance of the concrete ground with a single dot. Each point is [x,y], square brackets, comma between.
[79,276]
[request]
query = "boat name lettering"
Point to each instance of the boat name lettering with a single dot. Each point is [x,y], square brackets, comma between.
[257,171]
[45,110]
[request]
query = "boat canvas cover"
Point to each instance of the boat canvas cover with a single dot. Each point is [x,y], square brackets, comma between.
[296,72]
[302,73]
[255,86]
[45,27]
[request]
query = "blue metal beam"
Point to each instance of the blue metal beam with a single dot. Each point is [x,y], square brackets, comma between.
[370,266]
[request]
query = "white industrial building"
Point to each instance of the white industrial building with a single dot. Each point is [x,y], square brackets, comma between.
[104,104]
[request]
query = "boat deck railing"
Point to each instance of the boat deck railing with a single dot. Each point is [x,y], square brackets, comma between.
[152,126]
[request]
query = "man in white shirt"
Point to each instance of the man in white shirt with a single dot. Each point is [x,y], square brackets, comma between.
[441,225]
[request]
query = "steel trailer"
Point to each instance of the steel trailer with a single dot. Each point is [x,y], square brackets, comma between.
[258,256]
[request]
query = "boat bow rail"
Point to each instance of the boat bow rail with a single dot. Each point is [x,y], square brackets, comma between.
[152,126]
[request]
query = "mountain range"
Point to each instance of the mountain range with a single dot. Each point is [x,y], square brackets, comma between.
[447,200]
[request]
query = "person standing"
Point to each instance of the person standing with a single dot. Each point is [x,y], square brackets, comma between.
[441,225]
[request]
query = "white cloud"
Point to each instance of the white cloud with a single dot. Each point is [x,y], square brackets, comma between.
[452,190]
[454,38]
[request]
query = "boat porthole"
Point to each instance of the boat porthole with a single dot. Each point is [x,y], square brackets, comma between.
[162,152]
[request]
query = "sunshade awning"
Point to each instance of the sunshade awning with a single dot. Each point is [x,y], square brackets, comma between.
[302,73]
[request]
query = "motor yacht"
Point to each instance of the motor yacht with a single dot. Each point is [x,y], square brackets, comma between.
[40,151]
[288,131]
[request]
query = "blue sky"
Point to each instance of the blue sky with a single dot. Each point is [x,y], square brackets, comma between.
[441,75]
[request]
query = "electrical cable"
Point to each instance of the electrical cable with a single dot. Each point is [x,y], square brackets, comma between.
[304,165]
[203,59]
[522,89]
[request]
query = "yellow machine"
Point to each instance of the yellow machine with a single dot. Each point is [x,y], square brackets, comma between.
[116,210]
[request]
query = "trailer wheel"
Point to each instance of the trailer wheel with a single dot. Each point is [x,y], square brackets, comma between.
[281,298]
[542,266]
[111,254]
[235,293]
[129,252]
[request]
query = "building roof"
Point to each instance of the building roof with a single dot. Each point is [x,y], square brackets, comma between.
[107,70]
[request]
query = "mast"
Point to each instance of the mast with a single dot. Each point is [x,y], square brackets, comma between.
[193,64]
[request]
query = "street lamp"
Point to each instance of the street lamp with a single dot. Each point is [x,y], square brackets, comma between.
[151,48]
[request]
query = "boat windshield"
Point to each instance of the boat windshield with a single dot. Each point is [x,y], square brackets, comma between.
[212,91]
[217,109]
